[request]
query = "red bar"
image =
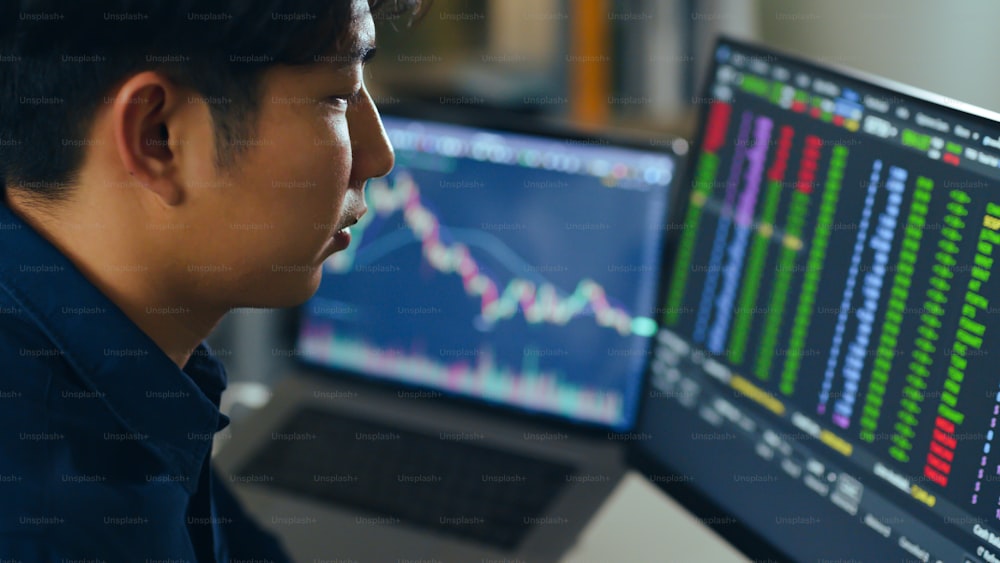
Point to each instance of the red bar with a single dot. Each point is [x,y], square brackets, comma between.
[838,120]
[945,439]
[951,158]
[942,451]
[777,171]
[798,107]
[945,425]
[718,121]
[938,463]
[933,475]
[807,167]
[815,112]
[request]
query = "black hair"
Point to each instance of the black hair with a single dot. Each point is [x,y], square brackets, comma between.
[60,59]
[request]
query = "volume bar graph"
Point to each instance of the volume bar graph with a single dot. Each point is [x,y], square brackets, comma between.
[548,391]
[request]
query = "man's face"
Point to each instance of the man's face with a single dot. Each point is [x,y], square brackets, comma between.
[260,231]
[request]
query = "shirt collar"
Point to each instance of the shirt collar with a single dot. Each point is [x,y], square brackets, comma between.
[176,411]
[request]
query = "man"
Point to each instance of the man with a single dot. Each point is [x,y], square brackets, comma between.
[144,154]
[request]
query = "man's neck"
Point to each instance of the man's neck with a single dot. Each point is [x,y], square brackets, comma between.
[107,255]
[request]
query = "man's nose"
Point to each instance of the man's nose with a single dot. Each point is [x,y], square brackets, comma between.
[372,152]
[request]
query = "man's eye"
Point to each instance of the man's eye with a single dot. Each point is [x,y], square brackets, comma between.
[338,102]
[343,101]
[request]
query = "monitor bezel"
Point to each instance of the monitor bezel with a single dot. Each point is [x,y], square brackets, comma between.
[506,121]
[692,498]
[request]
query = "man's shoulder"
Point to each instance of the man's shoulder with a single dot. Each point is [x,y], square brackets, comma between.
[25,348]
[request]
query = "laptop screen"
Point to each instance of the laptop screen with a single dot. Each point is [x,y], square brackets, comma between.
[511,268]
[826,373]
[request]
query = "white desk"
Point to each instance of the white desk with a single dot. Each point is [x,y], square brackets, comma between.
[639,523]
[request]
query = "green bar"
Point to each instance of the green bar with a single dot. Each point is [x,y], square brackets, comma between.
[972,326]
[940,271]
[939,284]
[977,300]
[916,140]
[951,233]
[948,246]
[954,148]
[756,261]
[967,338]
[817,255]
[776,88]
[950,414]
[990,236]
[956,374]
[755,85]
[904,430]
[705,178]
[958,360]
[951,386]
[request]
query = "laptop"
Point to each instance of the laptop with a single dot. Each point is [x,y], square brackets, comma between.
[471,366]
[823,385]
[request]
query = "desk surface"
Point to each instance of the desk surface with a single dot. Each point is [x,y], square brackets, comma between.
[640,523]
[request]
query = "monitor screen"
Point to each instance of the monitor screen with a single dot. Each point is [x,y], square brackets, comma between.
[823,374]
[516,269]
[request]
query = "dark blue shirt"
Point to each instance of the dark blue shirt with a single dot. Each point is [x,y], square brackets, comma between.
[104,442]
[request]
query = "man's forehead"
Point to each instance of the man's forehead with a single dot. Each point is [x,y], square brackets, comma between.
[357,44]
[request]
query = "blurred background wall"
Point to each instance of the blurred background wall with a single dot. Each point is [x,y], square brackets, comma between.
[637,64]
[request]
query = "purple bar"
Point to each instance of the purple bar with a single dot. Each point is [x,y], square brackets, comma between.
[757,156]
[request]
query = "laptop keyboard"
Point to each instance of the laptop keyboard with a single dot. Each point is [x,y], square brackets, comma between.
[456,487]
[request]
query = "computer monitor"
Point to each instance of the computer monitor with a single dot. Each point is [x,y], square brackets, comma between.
[824,385]
[516,266]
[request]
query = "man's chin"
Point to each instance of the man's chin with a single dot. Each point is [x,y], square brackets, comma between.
[289,288]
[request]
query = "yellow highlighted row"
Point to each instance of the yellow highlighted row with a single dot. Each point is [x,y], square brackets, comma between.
[922,495]
[766,230]
[757,395]
[769,402]
[836,442]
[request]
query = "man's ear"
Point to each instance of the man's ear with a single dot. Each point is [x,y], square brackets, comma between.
[140,116]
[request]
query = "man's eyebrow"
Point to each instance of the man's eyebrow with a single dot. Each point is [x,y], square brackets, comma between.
[361,54]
